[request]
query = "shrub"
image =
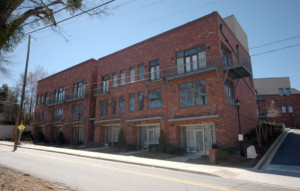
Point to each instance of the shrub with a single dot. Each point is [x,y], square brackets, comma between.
[215,146]
[162,141]
[60,138]
[121,139]
[131,147]
[223,154]
[175,150]
[153,147]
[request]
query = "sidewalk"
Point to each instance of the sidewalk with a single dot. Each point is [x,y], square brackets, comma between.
[250,174]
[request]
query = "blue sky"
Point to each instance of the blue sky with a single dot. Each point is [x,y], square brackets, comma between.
[132,21]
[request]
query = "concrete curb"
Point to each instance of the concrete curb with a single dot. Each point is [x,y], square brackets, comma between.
[262,161]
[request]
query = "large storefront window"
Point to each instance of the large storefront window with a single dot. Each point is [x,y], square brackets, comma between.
[112,133]
[148,135]
[198,139]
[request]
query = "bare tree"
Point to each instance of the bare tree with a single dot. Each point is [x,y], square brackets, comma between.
[31,89]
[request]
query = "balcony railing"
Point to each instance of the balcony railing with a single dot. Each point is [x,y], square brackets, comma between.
[56,118]
[184,70]
[237,70]
[74,97]
[101,91]
[54,101]
[261,97]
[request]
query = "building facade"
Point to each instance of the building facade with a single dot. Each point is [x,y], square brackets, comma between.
[65,104]
[277,101]
[184,82]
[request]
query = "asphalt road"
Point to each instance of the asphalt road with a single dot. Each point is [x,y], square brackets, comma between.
[79,173]
[289,151]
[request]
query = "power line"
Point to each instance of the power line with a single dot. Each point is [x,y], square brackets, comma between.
[276,50]
[275,42]
[106,3]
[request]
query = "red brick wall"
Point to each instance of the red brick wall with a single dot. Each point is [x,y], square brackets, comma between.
[66,79]
[164,47]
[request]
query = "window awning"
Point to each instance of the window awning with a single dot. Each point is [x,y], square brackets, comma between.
[194,118]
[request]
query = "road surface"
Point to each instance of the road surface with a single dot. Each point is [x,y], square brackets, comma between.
[80,173]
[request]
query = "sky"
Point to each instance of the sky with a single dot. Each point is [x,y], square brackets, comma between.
[131,21]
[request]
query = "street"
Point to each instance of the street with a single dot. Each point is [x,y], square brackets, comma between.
[80,173]
[286,158]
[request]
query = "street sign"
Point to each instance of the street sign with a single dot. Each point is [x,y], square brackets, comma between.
[21,127]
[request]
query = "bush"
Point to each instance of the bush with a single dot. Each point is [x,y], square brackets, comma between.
[223,154]
[162,141]
[121,139]
[131,147]
[250,135]
[175,150]
[153,147]
[60,138]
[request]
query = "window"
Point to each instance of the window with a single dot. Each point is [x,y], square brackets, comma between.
[226,56]
[154,70]
[141,71]
[59,95]
[229,93]
[132,74]
[47,98]
[79,89]
[288,91]
[122,77]
[45,115]
[57,114]
[191,60]
[122,104]
[103,107]
[283,109]
[192,93]
[38,100]
[115,78]
[105,84]
[281,91]
[291,110]
[113,105]
[141,101]
[155,98]
[112,133]
[131,103]
[42,99]
[77,111]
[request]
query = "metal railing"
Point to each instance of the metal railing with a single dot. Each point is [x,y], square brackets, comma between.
[101,91]
[73,97]
[183,70]
[261,97]
[228,62]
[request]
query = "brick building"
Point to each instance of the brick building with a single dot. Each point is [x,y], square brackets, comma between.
[184,81]
[277,101]
[65,104]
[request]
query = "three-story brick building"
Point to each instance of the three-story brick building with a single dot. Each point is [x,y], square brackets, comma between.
[184,82]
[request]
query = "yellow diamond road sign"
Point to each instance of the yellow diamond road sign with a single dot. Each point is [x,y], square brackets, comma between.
[21,127]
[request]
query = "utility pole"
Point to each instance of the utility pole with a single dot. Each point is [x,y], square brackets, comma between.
[20,114]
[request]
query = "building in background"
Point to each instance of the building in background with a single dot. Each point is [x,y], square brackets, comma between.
[277,101]
[65,105]
[184,82]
